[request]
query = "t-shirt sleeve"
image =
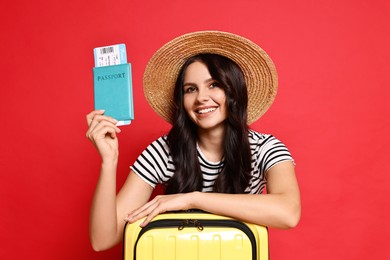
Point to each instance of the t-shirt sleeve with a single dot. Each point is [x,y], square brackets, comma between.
[271,152]
[151,164]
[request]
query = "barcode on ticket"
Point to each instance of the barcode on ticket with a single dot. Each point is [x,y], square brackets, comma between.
[106,50]
[110,55]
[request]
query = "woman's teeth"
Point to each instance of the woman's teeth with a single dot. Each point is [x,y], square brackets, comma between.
[206,110]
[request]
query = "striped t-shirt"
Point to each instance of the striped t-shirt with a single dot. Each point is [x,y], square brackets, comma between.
[155,164]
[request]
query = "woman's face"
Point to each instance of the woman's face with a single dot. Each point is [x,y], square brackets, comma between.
[204,99]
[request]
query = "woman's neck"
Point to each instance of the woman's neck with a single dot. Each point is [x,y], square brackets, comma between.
[211,143]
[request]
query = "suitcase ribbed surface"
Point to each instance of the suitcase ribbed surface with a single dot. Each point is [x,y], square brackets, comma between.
[195,236]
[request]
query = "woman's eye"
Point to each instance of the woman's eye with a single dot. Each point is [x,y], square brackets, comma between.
[189,89]
[214,85]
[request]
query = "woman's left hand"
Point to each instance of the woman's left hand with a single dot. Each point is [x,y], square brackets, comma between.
[160,204]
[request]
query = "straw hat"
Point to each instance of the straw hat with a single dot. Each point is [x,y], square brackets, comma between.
[163,68]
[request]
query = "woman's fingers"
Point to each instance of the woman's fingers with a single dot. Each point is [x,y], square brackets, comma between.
[158,205]
[149,210]
[92,114]
[100,130]
[150,216]
[140,213]
[98,116]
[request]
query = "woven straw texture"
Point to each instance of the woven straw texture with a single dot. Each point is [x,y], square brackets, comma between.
[163,68]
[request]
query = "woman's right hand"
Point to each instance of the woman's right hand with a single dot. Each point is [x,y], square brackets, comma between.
[102,132]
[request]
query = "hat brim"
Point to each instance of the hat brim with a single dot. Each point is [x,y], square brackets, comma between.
[163,68]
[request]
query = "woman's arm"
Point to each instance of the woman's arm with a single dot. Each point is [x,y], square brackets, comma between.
[279,208]
[108,209]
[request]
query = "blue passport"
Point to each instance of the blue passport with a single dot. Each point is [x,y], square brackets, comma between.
[113,92]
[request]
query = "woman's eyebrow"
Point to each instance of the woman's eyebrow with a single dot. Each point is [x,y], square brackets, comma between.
[188,84]
[209,80]
[194,84]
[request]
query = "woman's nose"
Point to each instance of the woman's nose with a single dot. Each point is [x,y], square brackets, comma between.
[203,95]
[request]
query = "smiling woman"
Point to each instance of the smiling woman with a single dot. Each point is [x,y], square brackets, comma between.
[211,106]
[204,99]
[210,159]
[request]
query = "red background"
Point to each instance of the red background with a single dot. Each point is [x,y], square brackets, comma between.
[332,111]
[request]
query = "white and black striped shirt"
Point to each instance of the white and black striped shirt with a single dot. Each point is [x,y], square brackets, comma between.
[155,164]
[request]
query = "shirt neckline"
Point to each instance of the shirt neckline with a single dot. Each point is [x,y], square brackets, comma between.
[201,154]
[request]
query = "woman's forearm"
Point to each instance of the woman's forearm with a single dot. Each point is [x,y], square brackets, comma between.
[273,210]
[103,215]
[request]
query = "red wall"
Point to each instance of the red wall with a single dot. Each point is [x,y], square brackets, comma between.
[332,110]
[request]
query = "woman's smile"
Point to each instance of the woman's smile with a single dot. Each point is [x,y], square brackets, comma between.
[206,110]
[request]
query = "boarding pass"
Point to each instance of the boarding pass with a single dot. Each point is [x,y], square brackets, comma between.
[110,55]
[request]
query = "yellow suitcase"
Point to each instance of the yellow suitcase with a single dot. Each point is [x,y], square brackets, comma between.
[195,236]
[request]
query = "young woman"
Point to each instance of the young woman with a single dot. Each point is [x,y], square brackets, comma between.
[210,160]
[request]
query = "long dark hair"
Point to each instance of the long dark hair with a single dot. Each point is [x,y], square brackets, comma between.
[235,174]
